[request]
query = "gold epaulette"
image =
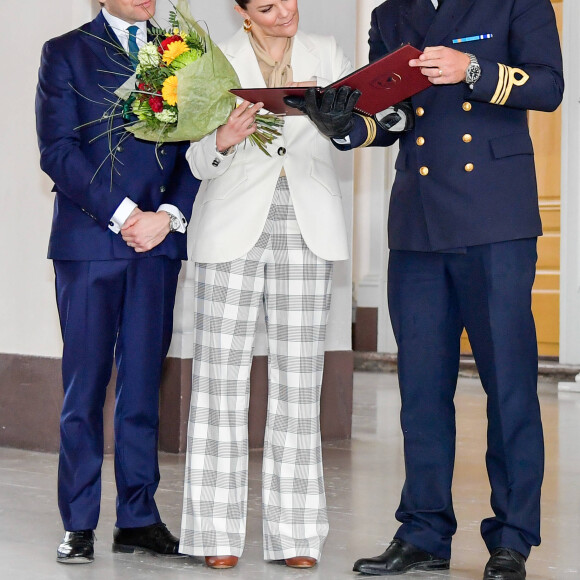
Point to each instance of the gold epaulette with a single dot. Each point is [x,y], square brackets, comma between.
[509,77]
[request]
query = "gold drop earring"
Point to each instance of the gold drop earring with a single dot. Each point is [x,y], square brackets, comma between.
[247,25]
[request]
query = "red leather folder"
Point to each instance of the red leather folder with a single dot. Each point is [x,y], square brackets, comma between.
[383,83]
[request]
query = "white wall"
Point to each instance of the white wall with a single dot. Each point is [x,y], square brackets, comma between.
[28,317]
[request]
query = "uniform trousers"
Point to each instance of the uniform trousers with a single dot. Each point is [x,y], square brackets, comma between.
[294,286]
[432,297]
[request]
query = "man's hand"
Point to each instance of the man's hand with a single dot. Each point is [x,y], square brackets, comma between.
[144,230]
[331,112]
[442,65]
[398,118]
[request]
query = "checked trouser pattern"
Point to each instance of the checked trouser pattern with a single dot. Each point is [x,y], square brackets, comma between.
[294,285]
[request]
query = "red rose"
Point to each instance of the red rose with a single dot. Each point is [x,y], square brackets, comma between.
[165,43]
[156,104]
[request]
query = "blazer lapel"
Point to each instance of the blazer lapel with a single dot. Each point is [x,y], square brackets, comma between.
[106,46]
[305,62]
[241,55]
[447,20]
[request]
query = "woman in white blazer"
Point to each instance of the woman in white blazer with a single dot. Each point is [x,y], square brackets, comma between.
[264,230]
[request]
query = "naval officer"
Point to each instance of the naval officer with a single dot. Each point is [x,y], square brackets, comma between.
[463,225]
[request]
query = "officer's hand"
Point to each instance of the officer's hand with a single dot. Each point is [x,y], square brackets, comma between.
[331,111]
[398,118]
[442,65]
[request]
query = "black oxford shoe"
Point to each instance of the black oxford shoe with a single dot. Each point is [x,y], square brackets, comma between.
[77,548]
[505,564]
[155,539]
[398,558]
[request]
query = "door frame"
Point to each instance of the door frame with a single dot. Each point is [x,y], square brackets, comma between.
[570,221]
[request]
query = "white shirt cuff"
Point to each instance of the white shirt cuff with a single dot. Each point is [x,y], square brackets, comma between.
[121,214]
[343,141]
[174,211]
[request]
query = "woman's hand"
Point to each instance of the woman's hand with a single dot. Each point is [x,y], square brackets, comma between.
[241,124]
[442,65]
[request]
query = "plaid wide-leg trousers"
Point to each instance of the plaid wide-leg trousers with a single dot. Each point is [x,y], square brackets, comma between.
[294,285]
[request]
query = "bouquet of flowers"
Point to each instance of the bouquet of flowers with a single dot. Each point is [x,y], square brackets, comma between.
[180,89]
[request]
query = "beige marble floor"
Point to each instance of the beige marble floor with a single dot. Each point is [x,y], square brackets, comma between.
[363,479]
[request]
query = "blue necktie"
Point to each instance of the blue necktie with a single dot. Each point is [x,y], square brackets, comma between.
[133,48]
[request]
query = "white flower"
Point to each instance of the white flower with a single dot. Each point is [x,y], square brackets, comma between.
[149,55]
[167,116]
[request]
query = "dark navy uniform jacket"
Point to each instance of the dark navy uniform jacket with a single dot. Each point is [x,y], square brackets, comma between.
[78,73]
[465,174]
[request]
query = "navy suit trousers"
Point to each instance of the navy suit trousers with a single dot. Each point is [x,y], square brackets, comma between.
[122,310]
[432,297]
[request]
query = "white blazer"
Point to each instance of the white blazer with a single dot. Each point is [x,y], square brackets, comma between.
[232,205]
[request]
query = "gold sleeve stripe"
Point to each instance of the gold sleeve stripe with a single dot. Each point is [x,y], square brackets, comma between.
[509,78]
[500,89]
[371,130]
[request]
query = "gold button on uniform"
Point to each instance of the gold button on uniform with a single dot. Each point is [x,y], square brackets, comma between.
[419,111]
[467,138]
[469,167]
[466,106]
[424,171]
[421,141]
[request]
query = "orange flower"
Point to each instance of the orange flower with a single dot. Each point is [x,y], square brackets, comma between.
[173,50]
[169,90]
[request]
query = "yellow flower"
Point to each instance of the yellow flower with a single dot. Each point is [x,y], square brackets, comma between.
[169,90]
[174,50]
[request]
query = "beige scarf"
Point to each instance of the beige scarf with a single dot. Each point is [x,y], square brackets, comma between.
[276,74]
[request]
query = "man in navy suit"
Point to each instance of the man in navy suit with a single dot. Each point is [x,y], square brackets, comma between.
[117,241]
[463,224]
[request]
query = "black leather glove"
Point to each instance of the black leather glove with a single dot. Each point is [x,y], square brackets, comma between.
[398,118]
[331,111]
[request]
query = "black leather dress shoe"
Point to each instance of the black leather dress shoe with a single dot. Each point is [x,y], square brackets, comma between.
[77,548]
[155,539]
[398,558]
[505,564]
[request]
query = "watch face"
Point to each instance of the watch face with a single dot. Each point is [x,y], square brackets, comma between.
[473,73]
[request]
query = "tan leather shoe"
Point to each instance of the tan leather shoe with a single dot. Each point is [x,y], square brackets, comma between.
[221,562]
[301,562]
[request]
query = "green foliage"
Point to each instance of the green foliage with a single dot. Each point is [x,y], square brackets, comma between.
[173,22]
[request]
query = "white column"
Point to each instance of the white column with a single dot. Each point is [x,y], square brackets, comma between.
[570,235]
[374,174]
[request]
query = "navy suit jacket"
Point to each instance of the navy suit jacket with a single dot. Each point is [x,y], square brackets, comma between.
[78,73]
[465,174]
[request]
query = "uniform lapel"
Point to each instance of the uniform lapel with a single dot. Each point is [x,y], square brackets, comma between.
[416,17]
[446,20]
